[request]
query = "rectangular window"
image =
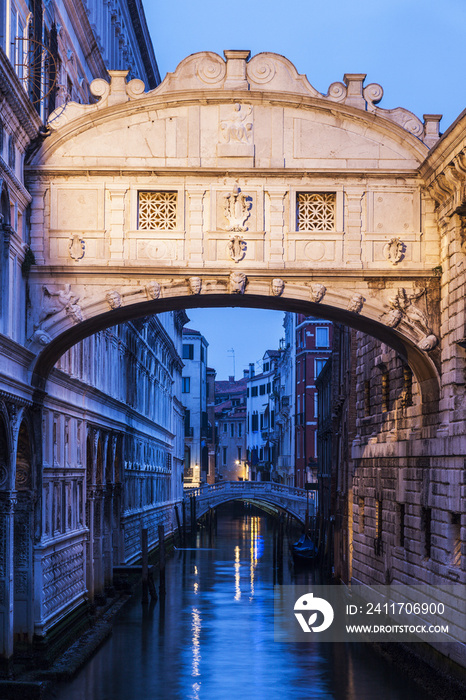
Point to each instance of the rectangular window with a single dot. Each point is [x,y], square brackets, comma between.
[367,398]
[385,392]
[407,397]
[266,366]
[186,383]
[188,351]
[322,337]
[316,404]
[455,539]
[401,524]
[268,387]
[272,419]
[315,211]
[157,211]
[232,430]
[240,430]
[254,422]
[262,389]
[224,456]
[361,515]
[319,365]
[426,525]
[254,391]
[225,427]
[247,393]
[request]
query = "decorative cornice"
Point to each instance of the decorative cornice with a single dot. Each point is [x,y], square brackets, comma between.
[17,98]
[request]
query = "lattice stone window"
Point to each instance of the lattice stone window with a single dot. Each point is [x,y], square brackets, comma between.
[157,210]
[316,211]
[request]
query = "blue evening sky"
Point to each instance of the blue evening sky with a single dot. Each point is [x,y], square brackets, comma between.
[414,49]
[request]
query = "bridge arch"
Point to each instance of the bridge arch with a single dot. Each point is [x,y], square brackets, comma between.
[234,182]
[288,499]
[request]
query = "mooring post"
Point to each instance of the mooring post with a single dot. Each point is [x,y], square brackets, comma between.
[193,515]
[180,533]
[183,510]
[162,559]
[145,566]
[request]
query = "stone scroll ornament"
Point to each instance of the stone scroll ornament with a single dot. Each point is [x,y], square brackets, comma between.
[77,248]
[403,308]
[236,208]
[394,250]
[237,282]
[317,292]
[237,247]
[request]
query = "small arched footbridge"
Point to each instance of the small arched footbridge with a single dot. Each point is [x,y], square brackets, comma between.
[290,499]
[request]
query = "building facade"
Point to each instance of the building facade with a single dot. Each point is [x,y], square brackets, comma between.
[230,429]
[313,344]
[98,454]
[197,432]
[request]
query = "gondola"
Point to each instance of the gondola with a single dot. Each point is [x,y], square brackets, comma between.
[304,550]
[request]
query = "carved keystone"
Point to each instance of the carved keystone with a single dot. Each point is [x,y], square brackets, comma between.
[236,70]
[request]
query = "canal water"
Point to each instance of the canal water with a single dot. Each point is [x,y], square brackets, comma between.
[212,636]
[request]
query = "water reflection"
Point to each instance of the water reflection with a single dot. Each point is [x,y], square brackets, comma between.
[211,636]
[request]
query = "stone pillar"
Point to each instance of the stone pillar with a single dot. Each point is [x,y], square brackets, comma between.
[115,205]
[352,245]
[196,225]
[275,254]
[7,507]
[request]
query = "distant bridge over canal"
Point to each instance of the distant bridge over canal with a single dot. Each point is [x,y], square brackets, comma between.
[290,499]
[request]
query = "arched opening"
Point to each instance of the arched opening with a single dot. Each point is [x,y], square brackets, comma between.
[423,364]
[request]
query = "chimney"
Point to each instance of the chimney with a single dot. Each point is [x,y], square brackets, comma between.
[245,374]
[231,379]
[251,370]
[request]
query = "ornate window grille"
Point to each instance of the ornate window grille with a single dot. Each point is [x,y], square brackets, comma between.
[316,211]
[157,210]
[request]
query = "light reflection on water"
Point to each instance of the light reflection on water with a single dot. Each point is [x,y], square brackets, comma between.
[212,637]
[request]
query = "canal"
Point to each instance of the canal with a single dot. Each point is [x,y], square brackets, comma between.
[212,636]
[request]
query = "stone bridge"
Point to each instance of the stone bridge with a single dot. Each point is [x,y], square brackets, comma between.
[235,183]
[290,499]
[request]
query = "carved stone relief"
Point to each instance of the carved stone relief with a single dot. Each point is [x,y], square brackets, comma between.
[237,247]
[317,292]
[278,286]
[236,208]
[238,127]
[63,300]
[235,132]
[237,282]
[394,250]
[195,285]
[153,290]
[77,248]
[113,299]
[403,308]
[356,303]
